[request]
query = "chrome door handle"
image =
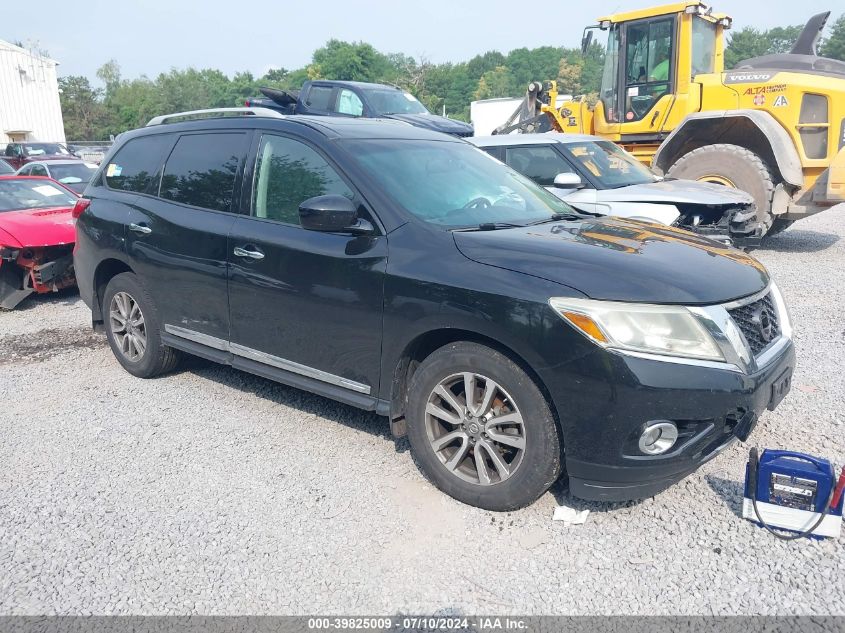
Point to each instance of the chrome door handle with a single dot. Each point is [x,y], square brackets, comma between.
[140,228]
[251,253]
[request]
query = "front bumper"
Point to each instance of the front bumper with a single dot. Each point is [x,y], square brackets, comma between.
[712,407]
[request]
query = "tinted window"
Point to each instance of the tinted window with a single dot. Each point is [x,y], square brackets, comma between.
[201,170]
[137,162]
[540,164]
[319,97]
[287,173]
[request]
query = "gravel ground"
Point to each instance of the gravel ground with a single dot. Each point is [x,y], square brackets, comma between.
[212,491]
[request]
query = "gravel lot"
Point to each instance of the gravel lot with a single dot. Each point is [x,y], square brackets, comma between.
[212,491]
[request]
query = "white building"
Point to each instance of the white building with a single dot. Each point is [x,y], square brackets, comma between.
[29,97]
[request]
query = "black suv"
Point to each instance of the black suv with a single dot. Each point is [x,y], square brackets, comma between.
[407,272]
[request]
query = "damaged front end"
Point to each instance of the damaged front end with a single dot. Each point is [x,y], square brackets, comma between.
[736,225]
[28,270]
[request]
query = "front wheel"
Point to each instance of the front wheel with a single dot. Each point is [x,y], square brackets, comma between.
[731,166]
[481,429]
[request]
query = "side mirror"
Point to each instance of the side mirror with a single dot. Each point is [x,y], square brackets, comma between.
[568,181]
[586,40]
[332,214]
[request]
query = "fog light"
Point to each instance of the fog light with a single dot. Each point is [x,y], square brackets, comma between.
[658,438]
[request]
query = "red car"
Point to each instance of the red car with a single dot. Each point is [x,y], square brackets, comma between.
[36,237]
[19,154]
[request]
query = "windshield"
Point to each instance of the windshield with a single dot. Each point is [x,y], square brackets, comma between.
[389,101]
[26,193]
[44,149]
[454,185]
[72,174]
[609,165]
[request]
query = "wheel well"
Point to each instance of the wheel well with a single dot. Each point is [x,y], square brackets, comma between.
[106,270]
[744,131]
[421,347]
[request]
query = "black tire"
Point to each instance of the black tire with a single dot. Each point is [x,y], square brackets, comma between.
[736,164]
[156,358]
[540,463]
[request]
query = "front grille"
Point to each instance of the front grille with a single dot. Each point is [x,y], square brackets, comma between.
[758,322]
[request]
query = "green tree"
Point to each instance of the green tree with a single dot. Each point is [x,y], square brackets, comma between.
[348,61]
[751,42]
[82,109]
[834,45]
[494,83]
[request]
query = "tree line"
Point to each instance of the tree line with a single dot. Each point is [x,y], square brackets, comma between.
[95,113]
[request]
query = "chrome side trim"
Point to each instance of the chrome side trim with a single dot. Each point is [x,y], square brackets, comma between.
[774,349]
[749,299]
[712,364]
[197,337]
[266,359]
[296,368]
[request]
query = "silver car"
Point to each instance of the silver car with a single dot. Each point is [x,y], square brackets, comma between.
[72,173]
[596,175]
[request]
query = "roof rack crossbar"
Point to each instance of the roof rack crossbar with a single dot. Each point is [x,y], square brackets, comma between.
[213,113]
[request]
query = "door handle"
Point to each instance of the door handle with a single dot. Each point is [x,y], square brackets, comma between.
[252,253]
[654,118]
[140,228]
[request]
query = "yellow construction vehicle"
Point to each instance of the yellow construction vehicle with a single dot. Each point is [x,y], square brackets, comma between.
[774,126]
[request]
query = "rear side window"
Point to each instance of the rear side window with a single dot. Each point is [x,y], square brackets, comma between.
[201,170]
[137,163]
[319,98]
[540,164]
[287,173]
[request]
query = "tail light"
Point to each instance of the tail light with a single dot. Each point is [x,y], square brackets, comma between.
[79,207]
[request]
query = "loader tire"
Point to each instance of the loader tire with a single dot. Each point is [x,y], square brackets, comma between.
[733,166]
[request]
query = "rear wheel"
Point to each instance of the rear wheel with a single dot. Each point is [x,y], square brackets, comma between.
[133,328]
[481,429]
[731,166]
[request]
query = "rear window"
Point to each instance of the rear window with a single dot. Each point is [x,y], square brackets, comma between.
[136,163]
[201,170]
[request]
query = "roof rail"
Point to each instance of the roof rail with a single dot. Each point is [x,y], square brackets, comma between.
[213,113]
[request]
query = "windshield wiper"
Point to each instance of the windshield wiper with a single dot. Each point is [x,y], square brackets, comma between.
[492,226]
[557,217]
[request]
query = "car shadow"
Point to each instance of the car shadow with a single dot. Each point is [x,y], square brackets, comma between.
[562,495]
[64,297]
[799,241]
[294,398]
[729,491]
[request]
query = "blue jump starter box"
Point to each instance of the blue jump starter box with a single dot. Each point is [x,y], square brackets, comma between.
[792,490]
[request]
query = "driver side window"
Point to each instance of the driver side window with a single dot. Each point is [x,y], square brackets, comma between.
[649,66]
[288,172]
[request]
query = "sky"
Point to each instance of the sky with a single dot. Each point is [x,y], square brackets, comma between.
[147,37]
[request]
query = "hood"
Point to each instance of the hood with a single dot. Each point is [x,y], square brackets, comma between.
[39,227]
[677,192]
[434,122]
[621,260]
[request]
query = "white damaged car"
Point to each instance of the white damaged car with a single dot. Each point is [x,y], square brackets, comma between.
[597,176]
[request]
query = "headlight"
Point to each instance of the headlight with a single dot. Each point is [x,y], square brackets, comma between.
[652,329]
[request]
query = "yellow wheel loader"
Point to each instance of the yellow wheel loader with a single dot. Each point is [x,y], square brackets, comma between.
[774,126]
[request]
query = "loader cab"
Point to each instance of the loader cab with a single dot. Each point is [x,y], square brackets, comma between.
[651,60]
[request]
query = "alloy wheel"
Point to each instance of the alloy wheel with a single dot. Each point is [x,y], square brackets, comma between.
[475,428]
[127,326]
